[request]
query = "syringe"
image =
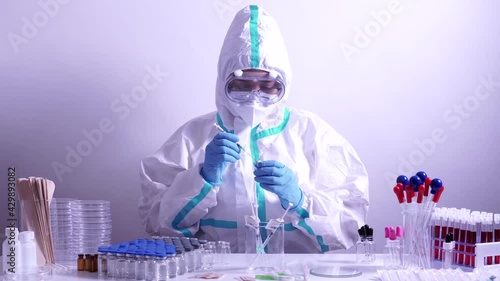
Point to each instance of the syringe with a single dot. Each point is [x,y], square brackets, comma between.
[241,147]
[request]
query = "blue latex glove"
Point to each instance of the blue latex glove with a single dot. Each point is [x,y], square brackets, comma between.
[275,177]
[221,150]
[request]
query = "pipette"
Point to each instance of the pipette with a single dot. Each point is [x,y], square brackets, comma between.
[273,228]
[239,145]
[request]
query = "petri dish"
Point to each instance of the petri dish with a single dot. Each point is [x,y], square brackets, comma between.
[42,273]
[335,272]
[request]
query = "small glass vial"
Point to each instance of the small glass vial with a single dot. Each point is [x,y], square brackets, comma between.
[197,253]
[365,247]
[102,261]
[140,266]
[130,269]
[365,250]
[198,258]
[150,274]
[208,256]
[161,266]
[218,250]
[171,266]
[226,252]
[111,262]
[80,262]
[189,256]
[93,263]
[121,264]
[448,247]
[88,262]
[181,262]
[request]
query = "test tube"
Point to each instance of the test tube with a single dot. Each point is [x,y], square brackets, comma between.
[437,234]
[487,235]
[477,229]
[456,235]
[471,237]
[497,234]
[462,241]
[444,231]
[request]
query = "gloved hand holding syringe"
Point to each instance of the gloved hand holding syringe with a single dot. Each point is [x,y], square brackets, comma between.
[273,226]
[241,147]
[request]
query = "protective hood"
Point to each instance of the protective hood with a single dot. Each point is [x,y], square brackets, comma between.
[253,41]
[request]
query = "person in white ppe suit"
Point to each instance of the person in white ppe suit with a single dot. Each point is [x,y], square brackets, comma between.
[201,183]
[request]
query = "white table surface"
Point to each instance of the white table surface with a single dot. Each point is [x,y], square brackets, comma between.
[237,268]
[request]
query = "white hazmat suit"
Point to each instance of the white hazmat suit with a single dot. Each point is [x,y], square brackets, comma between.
[177,201]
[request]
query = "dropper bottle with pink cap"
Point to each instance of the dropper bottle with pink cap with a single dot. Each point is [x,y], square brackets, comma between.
[392,250]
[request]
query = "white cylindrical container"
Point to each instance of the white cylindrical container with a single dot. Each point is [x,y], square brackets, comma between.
[11,251]
[28,250]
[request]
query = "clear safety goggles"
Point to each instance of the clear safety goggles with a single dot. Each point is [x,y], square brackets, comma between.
[241,89]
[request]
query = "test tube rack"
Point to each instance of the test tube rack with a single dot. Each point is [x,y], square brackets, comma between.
[476,235]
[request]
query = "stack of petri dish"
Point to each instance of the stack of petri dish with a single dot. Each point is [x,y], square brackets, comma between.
[61,227]
[91,225]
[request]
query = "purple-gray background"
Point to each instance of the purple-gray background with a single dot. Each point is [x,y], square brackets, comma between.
[412,85]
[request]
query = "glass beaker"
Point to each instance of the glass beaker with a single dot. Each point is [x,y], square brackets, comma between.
[265,247]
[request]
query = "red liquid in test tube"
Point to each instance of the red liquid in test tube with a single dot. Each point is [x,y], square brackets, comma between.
[456,234]
[471,236]
[463,240]
[474,239]
[489,239]
[487,236]
[437,235]
[497,239]
[497,234]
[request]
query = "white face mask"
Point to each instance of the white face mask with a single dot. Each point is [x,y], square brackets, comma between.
[253,113]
